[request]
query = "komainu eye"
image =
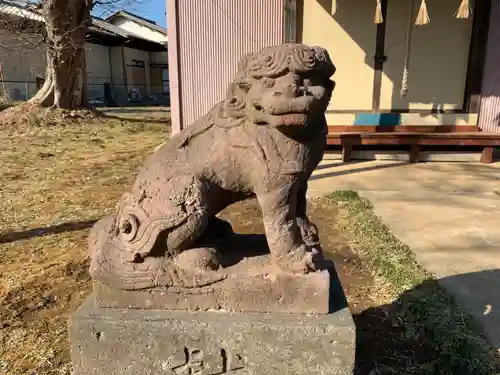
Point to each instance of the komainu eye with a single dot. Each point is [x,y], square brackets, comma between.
[244,85]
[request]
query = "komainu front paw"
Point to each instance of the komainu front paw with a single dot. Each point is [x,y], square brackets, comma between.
[302,260]
[308,232]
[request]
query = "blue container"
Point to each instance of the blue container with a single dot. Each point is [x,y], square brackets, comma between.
[375,119]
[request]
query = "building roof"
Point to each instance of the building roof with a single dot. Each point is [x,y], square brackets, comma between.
[140,20]
[27,10]
[21,9]
[124,13]
[101,25]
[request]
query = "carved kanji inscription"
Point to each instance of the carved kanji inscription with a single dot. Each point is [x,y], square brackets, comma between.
[214,362]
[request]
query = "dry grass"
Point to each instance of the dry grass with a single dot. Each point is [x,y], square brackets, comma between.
[54,179]
[57,177]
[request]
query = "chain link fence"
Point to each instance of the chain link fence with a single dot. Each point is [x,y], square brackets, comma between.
[127,95]
[12,92]
[105,94]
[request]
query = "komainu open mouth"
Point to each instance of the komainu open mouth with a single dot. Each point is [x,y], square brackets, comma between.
[291,119]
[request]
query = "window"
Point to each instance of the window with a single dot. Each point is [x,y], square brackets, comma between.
[138,63]
[165,80]
[164,74]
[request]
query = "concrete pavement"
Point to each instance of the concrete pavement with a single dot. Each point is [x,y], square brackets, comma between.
[447,213]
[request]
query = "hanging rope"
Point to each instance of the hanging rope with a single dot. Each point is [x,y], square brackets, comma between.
[465,9]
[406,72]
[335,7]
[379,17]
[423,15]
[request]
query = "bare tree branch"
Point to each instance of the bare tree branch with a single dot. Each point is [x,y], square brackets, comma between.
[61,26]
[105,8]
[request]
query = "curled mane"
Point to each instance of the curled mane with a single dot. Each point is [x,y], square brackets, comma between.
[272,62]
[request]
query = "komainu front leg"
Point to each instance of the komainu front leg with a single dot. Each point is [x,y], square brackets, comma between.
[308,231]
[287,247]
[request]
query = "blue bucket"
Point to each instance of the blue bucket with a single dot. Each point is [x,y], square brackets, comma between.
[375,119]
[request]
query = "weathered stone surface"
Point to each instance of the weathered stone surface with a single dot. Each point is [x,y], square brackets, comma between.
[252,285]
[165,249]
[264,139]
[153,342]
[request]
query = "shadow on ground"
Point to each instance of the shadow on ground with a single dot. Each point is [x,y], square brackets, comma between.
[45,231]
[152,115]
[351,171]
[138,119]
[425,332]
[135,110]
[420,333]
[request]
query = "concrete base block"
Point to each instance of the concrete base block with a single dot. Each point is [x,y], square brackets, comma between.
[106,341]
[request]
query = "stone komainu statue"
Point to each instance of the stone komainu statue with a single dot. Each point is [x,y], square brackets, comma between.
[265,139]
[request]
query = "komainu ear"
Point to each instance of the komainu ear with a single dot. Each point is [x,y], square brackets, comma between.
[243,81]
[323,61]
[234,104]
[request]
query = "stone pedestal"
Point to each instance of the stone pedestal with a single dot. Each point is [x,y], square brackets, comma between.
[176,291]
[131,341]
[148,342]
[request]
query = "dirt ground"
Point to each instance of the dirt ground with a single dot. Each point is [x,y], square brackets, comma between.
[55,180]
[33,314]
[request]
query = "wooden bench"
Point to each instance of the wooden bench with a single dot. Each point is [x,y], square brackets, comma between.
[400,136]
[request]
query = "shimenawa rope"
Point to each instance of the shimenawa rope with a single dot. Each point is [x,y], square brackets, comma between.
[406,72]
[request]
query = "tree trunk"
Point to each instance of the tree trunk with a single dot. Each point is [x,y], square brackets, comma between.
[65,82]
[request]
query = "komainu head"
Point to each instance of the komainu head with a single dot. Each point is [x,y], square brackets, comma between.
[281,86]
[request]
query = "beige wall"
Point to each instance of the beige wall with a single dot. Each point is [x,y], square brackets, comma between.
[159,57]
[117,65]
[438,60]
[349,37]
[97,60]
[104,64]
[98,69]
[135,54]
[20,61]
[26,64]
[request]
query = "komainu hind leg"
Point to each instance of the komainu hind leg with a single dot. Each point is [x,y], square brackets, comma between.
[150,251]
